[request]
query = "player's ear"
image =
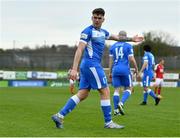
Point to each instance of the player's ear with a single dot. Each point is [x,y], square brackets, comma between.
[103,19]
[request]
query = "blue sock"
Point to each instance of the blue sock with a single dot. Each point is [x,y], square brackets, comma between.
[145,97]
[125,96]
[151,93]
[106,108]
[116,101]
[70,105]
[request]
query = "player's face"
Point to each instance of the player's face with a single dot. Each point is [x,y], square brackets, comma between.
[162,62]
[97,20]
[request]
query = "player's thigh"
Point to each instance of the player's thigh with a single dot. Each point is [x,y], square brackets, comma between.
[83,94]
[104,93]
[126,81]
[84,83]
[97,77]
[92,77]
[116,81]
[146,80]
[157,82]
[161,83]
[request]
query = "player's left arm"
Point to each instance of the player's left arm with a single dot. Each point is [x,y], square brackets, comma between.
[135,38]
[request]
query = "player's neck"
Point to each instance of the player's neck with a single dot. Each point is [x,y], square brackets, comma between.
[97,28]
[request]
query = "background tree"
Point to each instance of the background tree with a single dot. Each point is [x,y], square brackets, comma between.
[162,44]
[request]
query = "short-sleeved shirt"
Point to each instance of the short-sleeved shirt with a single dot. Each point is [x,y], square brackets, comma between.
[149,57]
[121,51]
[121,76]
[92,74]
[95,40]
[148,73]
[159,69]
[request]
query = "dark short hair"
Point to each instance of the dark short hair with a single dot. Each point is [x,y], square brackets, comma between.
[147,48]
[98,11]
[161,59]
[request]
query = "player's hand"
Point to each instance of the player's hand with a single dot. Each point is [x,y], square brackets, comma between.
[139,76]
[72,74]
[71,87]
[136,72]
[132,89]
[110,77]
[137,38]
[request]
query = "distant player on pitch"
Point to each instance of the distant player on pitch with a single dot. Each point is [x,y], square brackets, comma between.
[148,73]
[159,72]
[121,53]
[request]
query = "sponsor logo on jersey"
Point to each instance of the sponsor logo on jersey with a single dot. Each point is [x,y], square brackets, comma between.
[98,34]
[84,36]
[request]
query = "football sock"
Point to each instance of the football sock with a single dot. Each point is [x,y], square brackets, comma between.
[159,91]
[145,96]
[70,105]
[106,108]
[151,93]
[116,99]
[125,96]
[155,90]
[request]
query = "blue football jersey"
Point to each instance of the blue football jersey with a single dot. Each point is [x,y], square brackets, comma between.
[95,40]
[92,75]
[149,57]
[121,52]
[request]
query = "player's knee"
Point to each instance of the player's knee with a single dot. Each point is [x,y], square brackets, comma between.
[82,96]
[116,92]
[129,90]
[145,89]
[148,90]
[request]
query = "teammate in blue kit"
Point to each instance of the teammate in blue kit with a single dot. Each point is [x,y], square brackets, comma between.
[92,76]
[121,53]
[148,73]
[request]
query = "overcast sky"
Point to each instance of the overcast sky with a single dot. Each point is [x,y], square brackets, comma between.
[35,22]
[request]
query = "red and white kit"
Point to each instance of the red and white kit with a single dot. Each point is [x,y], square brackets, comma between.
[159,70]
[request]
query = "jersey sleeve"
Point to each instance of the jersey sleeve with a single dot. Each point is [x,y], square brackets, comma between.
[131,51]
[145,58]
[85,35]
[107,34]
[156,67]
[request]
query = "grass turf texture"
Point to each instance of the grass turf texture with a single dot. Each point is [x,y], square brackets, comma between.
[27,112]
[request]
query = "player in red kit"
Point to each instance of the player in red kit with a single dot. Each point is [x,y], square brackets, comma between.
[159,72]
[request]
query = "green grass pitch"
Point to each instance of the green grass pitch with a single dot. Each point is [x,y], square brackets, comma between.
[27,112]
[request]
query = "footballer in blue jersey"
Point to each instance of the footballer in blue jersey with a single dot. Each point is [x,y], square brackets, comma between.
[121,53]
[92,76]
[147,70]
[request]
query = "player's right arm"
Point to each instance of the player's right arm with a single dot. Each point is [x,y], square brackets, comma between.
[145,64]
[77,58]
[84,39]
